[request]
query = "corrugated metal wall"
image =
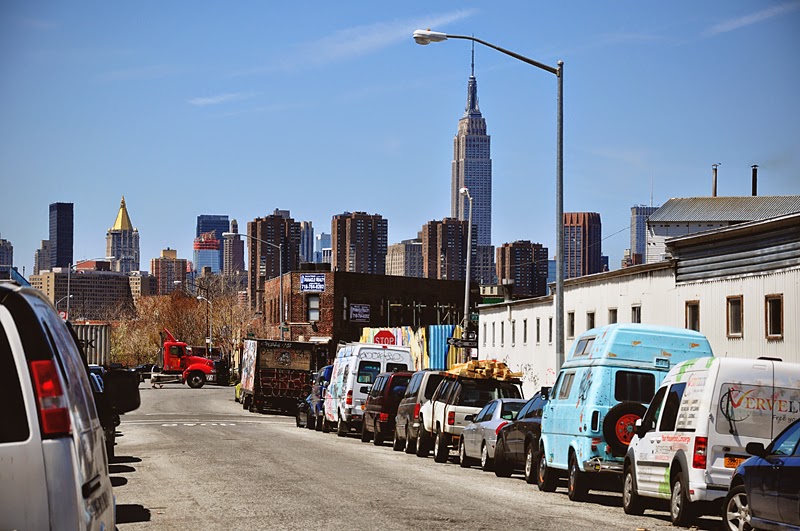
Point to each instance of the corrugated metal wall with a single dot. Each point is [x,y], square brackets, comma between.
[96,340]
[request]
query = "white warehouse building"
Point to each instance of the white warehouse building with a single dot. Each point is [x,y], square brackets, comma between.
[738,285]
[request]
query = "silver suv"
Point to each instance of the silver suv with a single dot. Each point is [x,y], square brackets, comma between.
[54,467]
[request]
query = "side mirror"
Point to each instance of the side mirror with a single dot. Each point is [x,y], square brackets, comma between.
[364,389]
[122,389]
[469,418]
[640,429]
[756,448]
[545,393]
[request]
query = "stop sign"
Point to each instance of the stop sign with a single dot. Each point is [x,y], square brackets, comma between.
[384,337]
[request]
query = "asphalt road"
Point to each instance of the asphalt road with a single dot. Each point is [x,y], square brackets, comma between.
[194,459]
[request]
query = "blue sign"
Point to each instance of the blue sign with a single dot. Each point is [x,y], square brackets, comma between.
[312,283]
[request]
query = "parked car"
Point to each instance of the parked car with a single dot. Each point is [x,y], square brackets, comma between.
[517,444]
[765,489]
[602,389]
[478,439]
[317,405]
[55,468]
[697,426]
[408,421]
[456,397]
[380,409]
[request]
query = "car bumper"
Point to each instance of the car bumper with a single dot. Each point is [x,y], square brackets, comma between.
[595,464]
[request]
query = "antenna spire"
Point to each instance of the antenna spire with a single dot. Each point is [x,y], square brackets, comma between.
[472,64]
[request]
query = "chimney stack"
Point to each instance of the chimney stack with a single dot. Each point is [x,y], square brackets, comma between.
[714,179]
[755,180]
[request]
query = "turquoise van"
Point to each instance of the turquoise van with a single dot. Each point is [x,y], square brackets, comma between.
[610,375]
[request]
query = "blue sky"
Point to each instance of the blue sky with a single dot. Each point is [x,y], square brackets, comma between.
[190,108]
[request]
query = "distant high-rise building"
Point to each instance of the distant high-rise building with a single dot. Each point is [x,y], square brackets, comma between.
[322,241]
[444,249]
[169,270]
[639,217]
[359,242]
[217,224]
[582,244]
[405,259]
[206,252]
[306,241]
[41,258]
[525,264]
[6,257]
[264,262]
[122,242]
[233,250]
[61,234]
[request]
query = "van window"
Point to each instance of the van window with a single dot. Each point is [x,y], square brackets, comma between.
[15,416]
[433,382]
[396,367]
[584,346]
[672,406]
[566,385]
[634,386]
[398,385]
[367,371]
[413,385]
[653,410]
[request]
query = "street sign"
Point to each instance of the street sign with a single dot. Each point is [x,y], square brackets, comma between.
[384,337]
[473,317]
[462,343]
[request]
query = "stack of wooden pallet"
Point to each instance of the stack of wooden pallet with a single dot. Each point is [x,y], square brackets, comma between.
[491,369]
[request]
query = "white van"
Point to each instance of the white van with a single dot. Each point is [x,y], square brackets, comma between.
[695,430]
[354,370]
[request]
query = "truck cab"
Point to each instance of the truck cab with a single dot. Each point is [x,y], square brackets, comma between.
[178,360]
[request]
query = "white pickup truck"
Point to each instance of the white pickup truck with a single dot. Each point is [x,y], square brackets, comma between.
[443,417]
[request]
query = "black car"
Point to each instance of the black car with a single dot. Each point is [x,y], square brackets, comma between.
[765,489]
[517,444]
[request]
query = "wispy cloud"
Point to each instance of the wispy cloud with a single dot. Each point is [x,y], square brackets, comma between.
[275,107]
[221,98]
[358,40]
[754,18]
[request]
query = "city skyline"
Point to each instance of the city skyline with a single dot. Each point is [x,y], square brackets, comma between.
[181,124]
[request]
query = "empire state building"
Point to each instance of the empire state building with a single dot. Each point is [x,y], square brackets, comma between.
[472,168]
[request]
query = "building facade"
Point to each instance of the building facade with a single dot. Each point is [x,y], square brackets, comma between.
[444,249]
[122,242]
[218,224]
[525,265]
[61,234]
[322,242]
[41,258]
[206,252]
[142,285]
[639,216]
[306,241]
[582,244]
[404,259]
[359,243]
[233,252]
[89,293]
[6,257]
[169,271]
[273,249]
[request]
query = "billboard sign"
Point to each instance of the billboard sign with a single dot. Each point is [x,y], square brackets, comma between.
[312,282]
[359,313]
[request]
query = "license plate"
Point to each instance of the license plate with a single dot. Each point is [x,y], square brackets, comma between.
[733,462]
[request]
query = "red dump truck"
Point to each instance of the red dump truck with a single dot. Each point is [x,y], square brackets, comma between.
[179,365]
[277,374]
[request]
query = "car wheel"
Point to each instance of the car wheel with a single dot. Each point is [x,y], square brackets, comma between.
[378,436]
[530,464]
[545,477]
[365,435]
[318,422]
[411,444]
[632,503]
[196,380]
[326,425]
[341,426]
[619,425]
[311,420]
[681,511]
[463,460]
[111,437]
[297,421]
[440,449]
[424,442]
[486,463]
[502,468]
[397,442]
[577,482]
[736,512]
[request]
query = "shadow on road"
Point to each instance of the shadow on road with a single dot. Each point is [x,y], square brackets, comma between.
[125,459]
[117,481]
[120,469]
[130,513]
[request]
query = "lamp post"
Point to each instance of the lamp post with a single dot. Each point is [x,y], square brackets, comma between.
[210,322]
[280,269]
[424,37]
[61,299]
[465,192]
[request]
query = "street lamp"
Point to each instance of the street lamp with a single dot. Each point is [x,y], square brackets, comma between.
[426,37]
[210,322]
[61,299]
[279,247]
[465,192]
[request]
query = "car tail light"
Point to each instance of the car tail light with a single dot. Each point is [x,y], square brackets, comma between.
[383,417]
[349,399]
[595,443]
[451,418]
[700,447]
[416,411]
[499,427]
[53,411]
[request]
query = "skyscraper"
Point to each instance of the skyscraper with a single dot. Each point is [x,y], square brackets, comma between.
[444,249]
[61,234]
[267,261]
[582,244]
[405,259]
[206,252]
[322,241]
[359,242]
[216,224]
[41,258]
[472,168]
[6,257]
[122,242]
[306,241]
[233,250]
[526,264]
[169,270]
[639,216]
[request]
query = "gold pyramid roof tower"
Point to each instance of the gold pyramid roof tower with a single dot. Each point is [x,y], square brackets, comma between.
[122,242]
[123,221]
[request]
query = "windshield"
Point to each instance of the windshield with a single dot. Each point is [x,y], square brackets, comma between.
[367,371]
[511,410]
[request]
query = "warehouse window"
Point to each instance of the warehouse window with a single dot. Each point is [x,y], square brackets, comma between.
[612,315]
[570,325]
[735,316]
[538,331]
[313,308]
[774,316]
[693,315]
[589,320]
[636,313]
[524,331]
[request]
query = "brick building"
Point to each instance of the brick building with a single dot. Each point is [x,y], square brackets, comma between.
[525,264]
[359,242]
